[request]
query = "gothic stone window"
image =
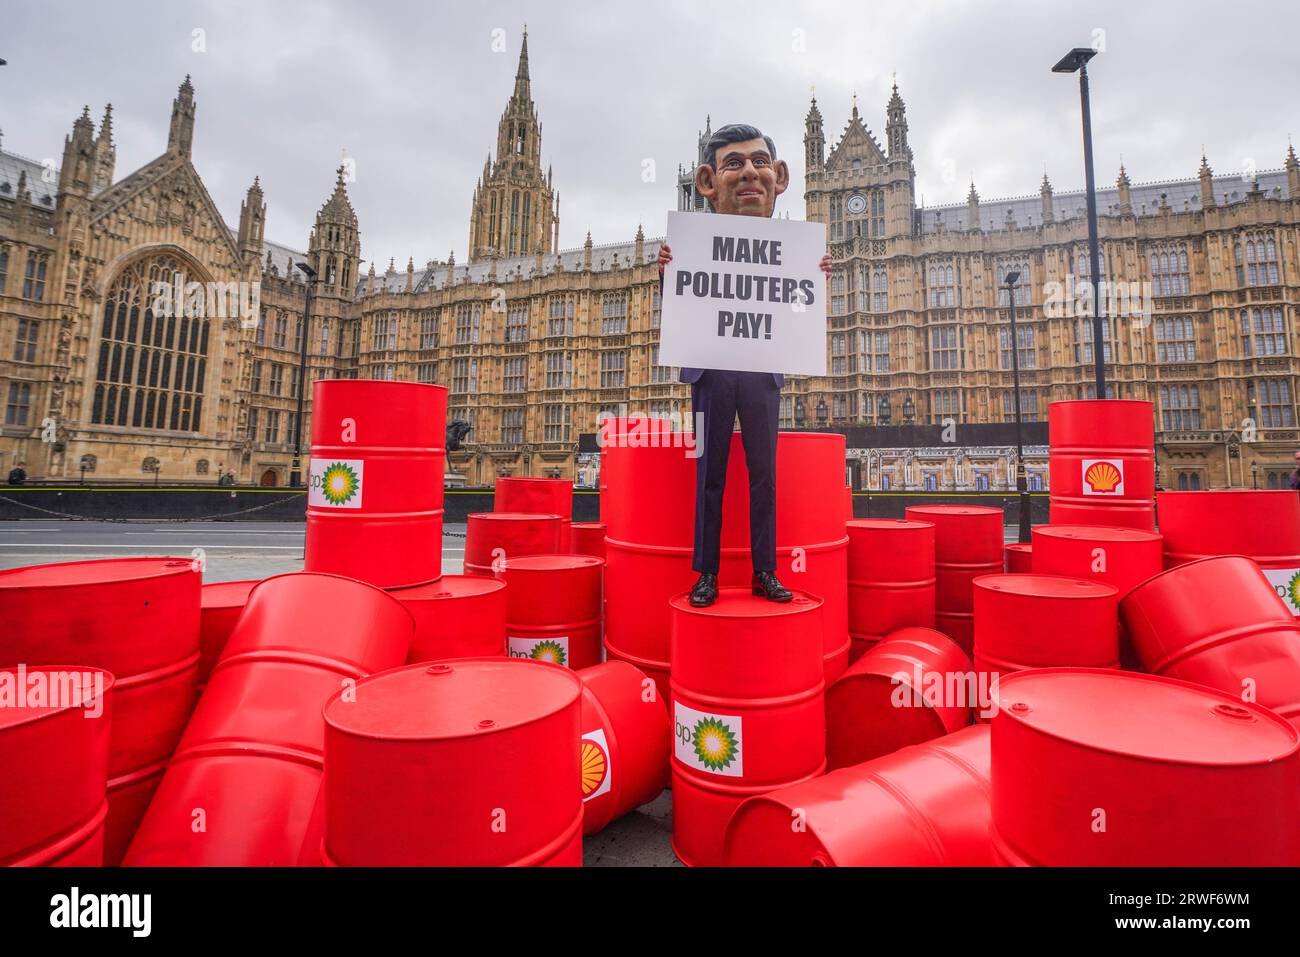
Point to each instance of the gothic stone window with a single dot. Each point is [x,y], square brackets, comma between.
[1263,332]
[1176,339]
[151,369]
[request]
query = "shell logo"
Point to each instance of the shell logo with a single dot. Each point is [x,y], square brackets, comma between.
[1103,477]
[595,765]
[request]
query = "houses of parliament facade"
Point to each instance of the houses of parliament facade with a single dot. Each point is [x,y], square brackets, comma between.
[535,343]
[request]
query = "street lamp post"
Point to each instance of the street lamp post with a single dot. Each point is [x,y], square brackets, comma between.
[1077,61]
[1022,486]
[295,470]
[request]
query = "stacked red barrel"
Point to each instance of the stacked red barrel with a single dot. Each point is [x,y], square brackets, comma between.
[811,542]
[1123,557]
[748,710]
[1114,769]
[467,763]
[1264,526]
[375,487]
[554,608]
[493,537]
[137,618]
[546,496]
[458,616]
[891,579]
[242,786]
[54,745]
[1101,461]
[587,538]
[1019,558]
[967,544]
[924,806]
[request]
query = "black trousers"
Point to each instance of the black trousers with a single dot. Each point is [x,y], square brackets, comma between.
[717,397]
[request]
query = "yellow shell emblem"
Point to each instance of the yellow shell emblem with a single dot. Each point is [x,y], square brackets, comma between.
[594,767]
[1102,477]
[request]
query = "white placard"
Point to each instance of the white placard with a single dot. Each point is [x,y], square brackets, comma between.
[745,293]
[1103,477]
[554,648]
[1286,582]
[708,742]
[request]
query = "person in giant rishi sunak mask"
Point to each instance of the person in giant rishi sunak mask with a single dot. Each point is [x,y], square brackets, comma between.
[742,176]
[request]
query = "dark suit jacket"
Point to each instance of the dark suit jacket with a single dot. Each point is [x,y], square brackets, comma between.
[693,375]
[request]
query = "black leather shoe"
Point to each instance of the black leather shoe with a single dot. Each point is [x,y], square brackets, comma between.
[705,592]
[769,586]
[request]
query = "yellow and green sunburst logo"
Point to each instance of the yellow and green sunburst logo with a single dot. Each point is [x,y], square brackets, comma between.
[1293,589]
[548,651]
[339,483]
[714,743]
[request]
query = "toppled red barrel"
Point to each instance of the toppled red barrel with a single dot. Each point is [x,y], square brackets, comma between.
[924,806]
[221,605]
[468,763]
[137,618]
[54,742]
[626,740]
[242,785]
[1113,769]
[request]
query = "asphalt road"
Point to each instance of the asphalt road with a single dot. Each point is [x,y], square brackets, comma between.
[254,550]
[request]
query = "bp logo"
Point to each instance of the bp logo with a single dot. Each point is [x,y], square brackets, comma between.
[335,483]
[708,742]
[596,778]
[1286,582]
[555,650]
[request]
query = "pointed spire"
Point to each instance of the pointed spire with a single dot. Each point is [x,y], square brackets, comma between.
[180,136]
[1049,214]
[1125,194]
[106,125]
[973,208]
[105,152]
[1292,172]
[521,74]
[1207,182]
[1123,177]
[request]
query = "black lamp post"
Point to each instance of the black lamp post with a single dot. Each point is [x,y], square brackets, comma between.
[800,416]
[1022,485]
[821,412]
[884,410]
[295,471]
[1254,475]
[1076,61]
[909,409]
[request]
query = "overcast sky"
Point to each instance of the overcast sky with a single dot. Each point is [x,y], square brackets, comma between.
[412,90]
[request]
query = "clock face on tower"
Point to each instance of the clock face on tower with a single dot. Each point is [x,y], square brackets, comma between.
[856,203]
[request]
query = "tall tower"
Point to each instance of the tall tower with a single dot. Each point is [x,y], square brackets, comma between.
[514,211]
[335,245]
[252,222]
[180,137]
[814,138]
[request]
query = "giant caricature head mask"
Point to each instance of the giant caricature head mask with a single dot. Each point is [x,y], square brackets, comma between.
[740,173]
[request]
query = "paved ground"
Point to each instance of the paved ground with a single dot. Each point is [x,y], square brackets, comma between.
[248,550]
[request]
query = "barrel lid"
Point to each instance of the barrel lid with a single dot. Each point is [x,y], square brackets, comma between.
[24,700]
[453,699]
[591,525]
[1144,716]
[512,516]
[449,586]
[735,602]
[97,572]
[1046,586]
[226,594]
[953,510]
[550,563]
[887,523]
[1019,547]
[1100,403]
[1099,533]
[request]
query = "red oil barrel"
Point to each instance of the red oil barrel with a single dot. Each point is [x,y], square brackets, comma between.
[553,608]
[924,806]
[250,760]
[458,616]
[546,496]
[468,763]
[135,617]
[374,496]
[221,605]
[1114,769]
[1044,621]
[967,544]
[626,740]
[493,537]
[912,686]
[1101,463]
[811,541]
[1123,557]
[891,579]
[748,709]
[1018,558]
[587,538]
[647,503]
[54,740]
[1218,622]
[848,504]
[1264,526]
